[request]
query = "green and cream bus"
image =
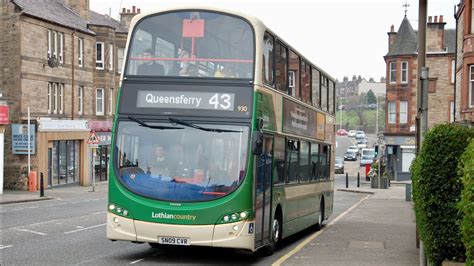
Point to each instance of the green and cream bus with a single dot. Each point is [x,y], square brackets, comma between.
[224,134]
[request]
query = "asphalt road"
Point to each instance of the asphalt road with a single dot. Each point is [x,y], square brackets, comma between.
[71,230]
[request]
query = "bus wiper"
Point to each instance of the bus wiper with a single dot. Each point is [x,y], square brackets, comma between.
[143,124]
[188,124]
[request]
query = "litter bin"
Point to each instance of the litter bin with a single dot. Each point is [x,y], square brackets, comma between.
[374,182]
[32,181]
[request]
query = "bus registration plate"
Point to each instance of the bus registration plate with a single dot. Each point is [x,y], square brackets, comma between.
[168,240]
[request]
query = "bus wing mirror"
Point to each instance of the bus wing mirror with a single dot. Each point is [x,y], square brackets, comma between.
[257,143]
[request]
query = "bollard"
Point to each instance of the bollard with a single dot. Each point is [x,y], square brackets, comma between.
[347,180]
[358,179]
[41,185]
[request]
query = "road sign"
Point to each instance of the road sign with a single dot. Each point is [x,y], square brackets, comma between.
[93,139]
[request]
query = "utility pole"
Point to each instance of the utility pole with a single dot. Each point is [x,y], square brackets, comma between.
[422,13]
[377,116]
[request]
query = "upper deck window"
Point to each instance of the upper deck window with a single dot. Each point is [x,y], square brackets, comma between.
[193,44]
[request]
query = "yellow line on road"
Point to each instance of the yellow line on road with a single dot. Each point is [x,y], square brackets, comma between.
[316,234]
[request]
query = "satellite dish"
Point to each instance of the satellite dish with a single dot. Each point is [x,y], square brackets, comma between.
[53,62]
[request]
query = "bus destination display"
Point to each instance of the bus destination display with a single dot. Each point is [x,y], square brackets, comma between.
[186,100]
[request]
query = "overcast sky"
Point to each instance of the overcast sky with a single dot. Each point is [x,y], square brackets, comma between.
[343,37]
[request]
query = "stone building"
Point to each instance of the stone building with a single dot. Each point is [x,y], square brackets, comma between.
[62,61]
[464,105]
[402,78]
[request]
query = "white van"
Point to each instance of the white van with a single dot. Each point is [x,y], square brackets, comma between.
[368,152]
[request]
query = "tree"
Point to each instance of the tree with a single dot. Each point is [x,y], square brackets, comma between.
[371,97]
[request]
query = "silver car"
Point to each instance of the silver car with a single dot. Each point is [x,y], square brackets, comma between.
[339,166]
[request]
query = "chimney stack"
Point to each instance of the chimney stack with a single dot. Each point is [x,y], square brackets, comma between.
[127,15]
[430,19]
[82,7]
[392,37]
[435,35]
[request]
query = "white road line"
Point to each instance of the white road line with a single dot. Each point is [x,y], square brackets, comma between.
[314,235]
[33,232]
[4,247]
[85,228]
[99,212]
[137,261]
[45,222]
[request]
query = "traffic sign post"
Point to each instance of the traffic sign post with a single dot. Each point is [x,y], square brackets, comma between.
[93,142]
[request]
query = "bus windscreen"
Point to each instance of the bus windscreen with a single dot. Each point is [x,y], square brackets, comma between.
[192,44]
[180,161]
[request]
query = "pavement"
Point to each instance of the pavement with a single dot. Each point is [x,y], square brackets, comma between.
[17,196]
[378,230]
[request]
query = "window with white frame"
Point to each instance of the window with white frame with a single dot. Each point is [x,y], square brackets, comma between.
[393,72]
[99,101]
[451,111]
[404,72]
[55,98]
[99,55]
[61,47]
[56,45]
[111,101]
[81,100]
[392,112]
[471,86]
[80,51]
[111,57]
[61,98]
[50,97]
[403,112]
[453,71]
[120,55]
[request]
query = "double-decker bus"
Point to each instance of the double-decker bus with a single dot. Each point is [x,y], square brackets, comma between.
[224,134]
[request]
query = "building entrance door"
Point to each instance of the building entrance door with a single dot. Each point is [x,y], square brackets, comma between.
[63,162]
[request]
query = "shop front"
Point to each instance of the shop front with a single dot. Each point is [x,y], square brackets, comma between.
[62,152]
[101,159]
[400,152]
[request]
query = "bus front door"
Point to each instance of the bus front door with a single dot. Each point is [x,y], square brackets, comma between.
[263,185]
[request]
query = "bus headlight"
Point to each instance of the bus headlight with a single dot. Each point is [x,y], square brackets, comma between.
[235,216]
[118,210]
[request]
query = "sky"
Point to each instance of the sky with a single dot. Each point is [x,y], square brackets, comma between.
[343,37]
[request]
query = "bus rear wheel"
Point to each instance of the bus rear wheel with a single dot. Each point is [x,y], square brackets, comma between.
[321,215]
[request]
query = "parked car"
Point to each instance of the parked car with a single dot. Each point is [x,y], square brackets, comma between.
[339,166]
[354,149]
[341,132]
[350,156]
[351,133]
[366,159]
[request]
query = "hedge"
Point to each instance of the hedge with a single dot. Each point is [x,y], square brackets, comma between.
[437,189]
[466,204]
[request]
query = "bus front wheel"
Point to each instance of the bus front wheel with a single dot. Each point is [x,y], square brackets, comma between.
[269,249]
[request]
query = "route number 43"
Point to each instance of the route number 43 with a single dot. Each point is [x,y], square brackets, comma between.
[221,101]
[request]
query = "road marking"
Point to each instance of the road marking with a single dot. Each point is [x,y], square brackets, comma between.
[4,247]
[99,212]
[45,222]
[85,228]
[316,234]
[137,261]
[33,232]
